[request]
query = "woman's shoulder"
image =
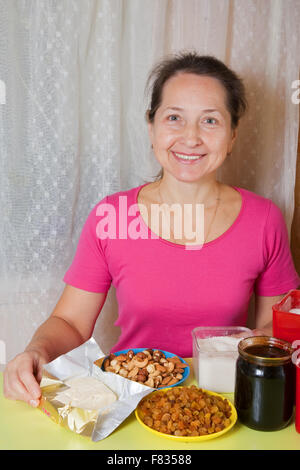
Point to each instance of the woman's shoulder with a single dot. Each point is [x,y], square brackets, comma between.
[118,197]
[261,208]
[110,207]
[129,194]
[254,200]
[251,195]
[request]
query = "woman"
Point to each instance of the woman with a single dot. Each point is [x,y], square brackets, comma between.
[164,288]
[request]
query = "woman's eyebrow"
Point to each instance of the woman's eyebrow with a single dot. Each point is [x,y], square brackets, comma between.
[177,108]
[173,108]
[211,111]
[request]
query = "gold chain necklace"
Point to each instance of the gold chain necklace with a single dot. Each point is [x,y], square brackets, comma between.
[218,199]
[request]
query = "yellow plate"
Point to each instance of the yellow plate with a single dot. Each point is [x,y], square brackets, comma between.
[233,418]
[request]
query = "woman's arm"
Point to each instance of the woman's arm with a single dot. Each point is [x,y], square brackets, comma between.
[264,313]
[70,324]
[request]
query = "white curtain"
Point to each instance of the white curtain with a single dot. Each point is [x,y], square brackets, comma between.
[72,126]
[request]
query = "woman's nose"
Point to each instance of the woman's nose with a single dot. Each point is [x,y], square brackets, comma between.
[192,135]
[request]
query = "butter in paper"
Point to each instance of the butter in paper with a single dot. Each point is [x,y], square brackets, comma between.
[96,424]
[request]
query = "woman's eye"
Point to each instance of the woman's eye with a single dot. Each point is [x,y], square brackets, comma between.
[211,120]
[173,117]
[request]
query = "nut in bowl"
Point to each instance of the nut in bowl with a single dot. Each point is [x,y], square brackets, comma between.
[152,367]
[188,414]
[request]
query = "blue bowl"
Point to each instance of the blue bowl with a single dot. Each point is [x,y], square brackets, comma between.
[186,371]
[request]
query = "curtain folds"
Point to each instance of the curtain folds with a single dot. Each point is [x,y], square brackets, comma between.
[295,232]
[73,129]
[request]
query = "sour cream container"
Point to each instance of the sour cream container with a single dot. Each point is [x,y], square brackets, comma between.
[286,326]
[297,419]
[215,351]
[286,317]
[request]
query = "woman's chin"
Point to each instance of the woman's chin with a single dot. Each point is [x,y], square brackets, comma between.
[187,176]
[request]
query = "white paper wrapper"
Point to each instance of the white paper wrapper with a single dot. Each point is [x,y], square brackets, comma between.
[79,362]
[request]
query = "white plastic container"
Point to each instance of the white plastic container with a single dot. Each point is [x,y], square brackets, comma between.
[215,351]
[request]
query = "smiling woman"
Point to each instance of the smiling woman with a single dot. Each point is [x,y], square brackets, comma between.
[195,107]
[163,289]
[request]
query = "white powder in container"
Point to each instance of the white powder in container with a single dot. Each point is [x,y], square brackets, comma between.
[216,363]
[295,310]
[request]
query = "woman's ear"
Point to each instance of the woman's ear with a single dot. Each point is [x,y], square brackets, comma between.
[233,138]
[150,131]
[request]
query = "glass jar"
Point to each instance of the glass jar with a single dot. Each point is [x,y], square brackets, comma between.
[215,351]
[265,383]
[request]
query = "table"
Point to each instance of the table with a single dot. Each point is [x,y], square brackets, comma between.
[26,428]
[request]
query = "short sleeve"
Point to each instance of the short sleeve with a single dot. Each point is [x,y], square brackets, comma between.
[279,274]
[89,269]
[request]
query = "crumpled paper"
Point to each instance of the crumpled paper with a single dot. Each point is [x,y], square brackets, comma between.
[96,424]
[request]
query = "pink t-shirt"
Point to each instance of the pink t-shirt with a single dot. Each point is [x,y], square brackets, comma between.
[163,289]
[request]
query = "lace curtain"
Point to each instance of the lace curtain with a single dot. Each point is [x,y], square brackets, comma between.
[72,126]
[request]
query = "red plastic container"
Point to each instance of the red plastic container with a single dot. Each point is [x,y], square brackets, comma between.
[297,418]
[287,325]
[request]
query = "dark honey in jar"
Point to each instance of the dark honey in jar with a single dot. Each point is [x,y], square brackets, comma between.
[265,383]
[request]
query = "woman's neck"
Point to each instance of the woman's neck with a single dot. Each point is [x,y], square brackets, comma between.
[171,191]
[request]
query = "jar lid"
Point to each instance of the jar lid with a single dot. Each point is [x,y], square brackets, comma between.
[266,350]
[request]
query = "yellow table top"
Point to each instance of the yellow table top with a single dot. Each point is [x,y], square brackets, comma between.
[25,428]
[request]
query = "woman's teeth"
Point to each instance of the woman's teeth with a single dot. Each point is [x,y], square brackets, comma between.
[187,157]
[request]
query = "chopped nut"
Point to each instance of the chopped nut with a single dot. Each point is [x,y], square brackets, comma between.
[150,368]
[166,380]
[172,381]
[141,355]
[114,363]
[106,363]
[157,381]
[140,363]
[141,378]
[163,360]
[174,359]
[148,352]
[121,357]
[156,373]
[150,383]
[161,368]
[130,365]
[130,354]
[123,372]
[133,372]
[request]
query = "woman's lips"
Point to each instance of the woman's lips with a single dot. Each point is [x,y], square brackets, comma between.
[190,158]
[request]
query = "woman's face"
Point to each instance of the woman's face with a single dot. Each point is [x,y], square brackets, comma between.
[191,133]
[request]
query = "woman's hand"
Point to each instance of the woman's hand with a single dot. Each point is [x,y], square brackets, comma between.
[22,377]
[70,324]
[259,332]
[264,314]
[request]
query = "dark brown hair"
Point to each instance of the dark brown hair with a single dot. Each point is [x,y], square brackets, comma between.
[191,62]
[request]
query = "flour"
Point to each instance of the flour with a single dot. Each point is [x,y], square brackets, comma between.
[216,363]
